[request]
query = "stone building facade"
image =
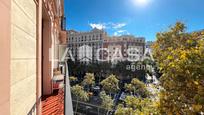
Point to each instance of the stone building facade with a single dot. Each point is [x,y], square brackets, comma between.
[97,39]
[88,42]
[120,46]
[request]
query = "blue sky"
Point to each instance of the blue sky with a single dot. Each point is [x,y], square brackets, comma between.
[136,17]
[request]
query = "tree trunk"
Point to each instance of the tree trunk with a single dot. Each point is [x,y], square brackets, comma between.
[76,105]
[98,110]
[88,88]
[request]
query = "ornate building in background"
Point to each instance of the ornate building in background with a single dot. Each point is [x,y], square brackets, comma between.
[97,39]
[93,39]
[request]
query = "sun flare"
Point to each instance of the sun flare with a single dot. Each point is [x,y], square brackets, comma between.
[140,2]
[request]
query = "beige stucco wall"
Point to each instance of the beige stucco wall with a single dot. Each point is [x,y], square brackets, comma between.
[23,56]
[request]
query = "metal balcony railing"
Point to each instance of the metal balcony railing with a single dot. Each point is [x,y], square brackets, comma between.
[68,108]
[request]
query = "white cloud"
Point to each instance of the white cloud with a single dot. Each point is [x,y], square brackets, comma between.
[121,32]
[109,25]
[98,25]
[118,25]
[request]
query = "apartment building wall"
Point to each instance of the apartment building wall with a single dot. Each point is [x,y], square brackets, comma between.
[23,56]
[93,39]
[47,50]
[122,43]
[21,46]
[5,8]
[119,45]
[52,38]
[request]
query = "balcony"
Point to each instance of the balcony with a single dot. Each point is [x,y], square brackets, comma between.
[60,99]
[53,104]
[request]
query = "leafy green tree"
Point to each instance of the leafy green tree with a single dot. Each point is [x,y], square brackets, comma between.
[89,80]
[104,69]
[121,71]
[180,57]
[73,80]
[150,64]
[110,84]
[129,88]
[107,101]
[137,106]
[121,110]
[80,94]
[137,87]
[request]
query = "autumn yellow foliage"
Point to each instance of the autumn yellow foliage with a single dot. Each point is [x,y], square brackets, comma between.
[180,56]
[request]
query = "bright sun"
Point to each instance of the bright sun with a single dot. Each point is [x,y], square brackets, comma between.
[141,2]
